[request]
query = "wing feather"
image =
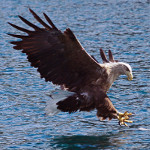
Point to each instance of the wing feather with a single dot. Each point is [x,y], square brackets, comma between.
[20,28]
[59,57]
[49,21]
[40,20]
[29,23]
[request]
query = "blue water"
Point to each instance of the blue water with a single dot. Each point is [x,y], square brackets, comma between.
[119,25]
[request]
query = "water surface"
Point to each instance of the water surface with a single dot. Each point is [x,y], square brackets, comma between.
[123,27]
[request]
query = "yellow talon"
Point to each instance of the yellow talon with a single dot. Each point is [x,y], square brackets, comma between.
[124,117]
[129,121]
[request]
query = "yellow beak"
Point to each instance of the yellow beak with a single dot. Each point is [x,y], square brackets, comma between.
[130,76]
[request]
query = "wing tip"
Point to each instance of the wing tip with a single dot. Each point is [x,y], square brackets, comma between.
[30,10]
[111,58]
[49,21]
[103,56]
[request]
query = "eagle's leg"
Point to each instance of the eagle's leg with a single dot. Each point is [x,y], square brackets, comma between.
[124,117]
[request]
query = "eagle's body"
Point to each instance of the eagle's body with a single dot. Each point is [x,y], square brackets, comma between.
[60,59]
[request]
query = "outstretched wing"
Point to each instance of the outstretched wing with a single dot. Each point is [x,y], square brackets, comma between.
[58,56]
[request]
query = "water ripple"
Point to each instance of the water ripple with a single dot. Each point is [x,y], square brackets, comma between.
[123,27]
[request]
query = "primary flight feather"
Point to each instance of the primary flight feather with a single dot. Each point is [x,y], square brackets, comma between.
[60,59]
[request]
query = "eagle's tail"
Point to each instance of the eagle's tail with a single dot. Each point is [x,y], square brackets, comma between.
[62,101]
[69,104]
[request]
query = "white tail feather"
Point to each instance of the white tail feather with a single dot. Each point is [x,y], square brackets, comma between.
[57,95]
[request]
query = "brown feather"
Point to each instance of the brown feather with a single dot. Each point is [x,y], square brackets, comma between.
[103,56]
[20,28]
[29,23]
[111,58]
[70,104]
[17,36]
[39,19]
[49,21]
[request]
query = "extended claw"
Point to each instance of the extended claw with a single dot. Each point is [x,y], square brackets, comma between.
[124,117]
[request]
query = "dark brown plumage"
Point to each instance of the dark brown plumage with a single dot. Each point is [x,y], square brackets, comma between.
[60,59]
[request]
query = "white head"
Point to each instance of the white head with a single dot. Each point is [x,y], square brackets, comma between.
[126,69]
[115,68]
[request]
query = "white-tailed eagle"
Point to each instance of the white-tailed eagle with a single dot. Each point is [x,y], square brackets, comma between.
[60,59]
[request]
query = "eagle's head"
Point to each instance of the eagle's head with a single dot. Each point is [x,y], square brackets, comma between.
[115,68]
[126,69]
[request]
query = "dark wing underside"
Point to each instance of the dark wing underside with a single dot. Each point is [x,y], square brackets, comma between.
[58,56]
